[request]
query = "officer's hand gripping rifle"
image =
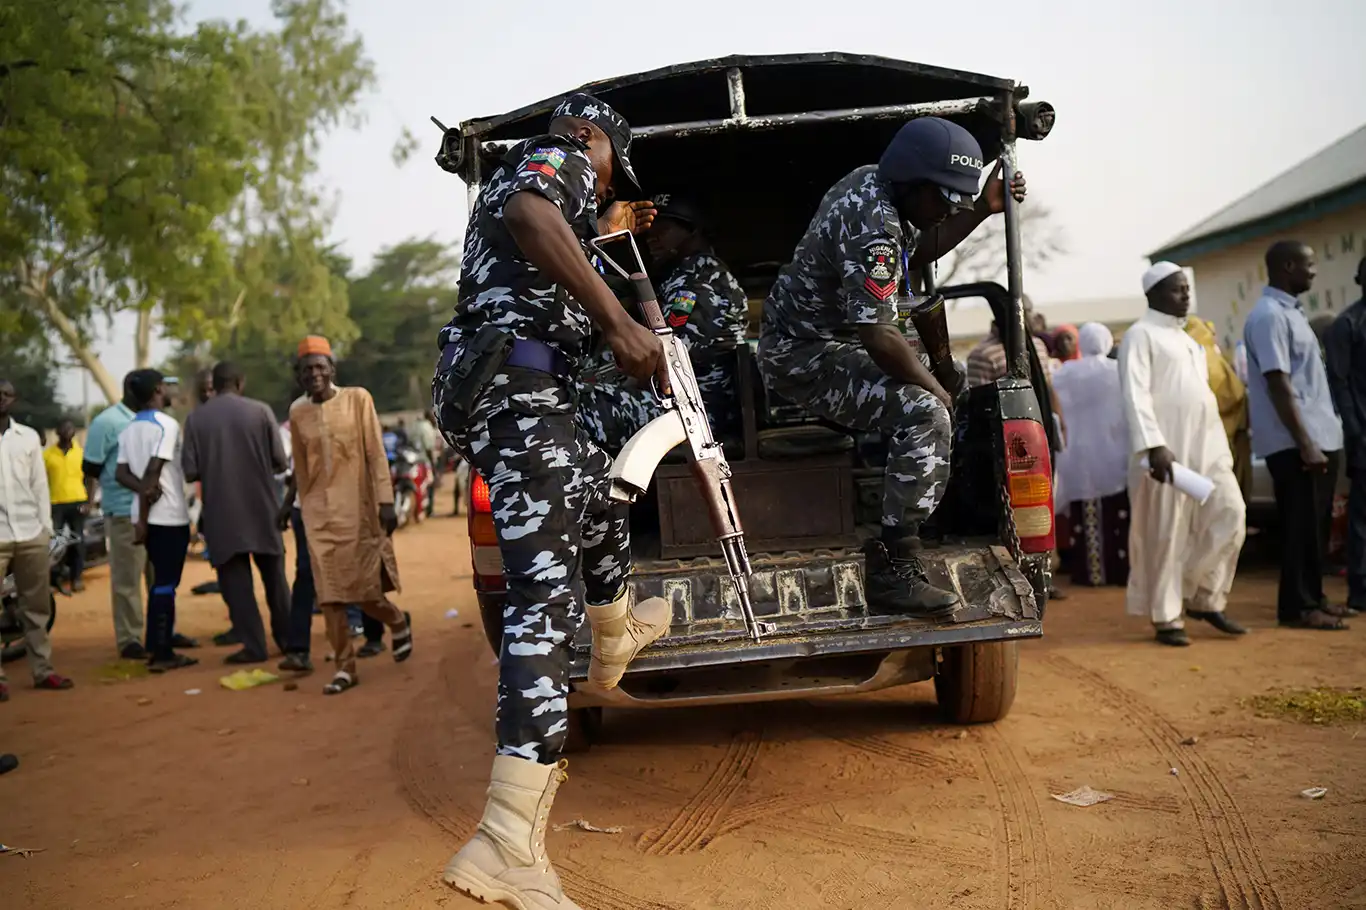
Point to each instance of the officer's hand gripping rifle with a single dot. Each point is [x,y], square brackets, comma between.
[684,421]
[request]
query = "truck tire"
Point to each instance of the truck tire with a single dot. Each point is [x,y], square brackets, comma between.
[976,682]
[585,727]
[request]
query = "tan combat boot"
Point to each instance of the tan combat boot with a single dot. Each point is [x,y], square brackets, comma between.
[505,862]
[620,632]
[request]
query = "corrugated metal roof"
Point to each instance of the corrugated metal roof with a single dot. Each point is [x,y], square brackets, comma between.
[1339,165]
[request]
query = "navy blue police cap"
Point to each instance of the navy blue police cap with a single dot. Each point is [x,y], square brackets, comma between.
[938,151]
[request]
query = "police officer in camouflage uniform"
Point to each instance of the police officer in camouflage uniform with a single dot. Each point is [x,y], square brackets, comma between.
[830,340]
[704,304]
[529,294]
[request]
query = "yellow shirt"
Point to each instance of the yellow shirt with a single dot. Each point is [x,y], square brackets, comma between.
[65,478]
[1228,389]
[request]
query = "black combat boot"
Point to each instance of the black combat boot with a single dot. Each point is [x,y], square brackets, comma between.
[895,581]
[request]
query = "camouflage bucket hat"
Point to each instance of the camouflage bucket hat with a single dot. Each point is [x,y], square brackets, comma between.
[601,115]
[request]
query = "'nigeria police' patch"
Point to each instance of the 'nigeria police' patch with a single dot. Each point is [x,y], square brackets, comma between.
[880,262]
[680,308]
[545,161]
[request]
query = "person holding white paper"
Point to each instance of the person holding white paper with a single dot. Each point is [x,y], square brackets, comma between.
[1182,554]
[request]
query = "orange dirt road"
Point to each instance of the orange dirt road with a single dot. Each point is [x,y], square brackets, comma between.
[143,796]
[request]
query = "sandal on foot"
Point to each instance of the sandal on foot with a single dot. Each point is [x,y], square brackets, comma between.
[1319,621]
[340,683]
[403,641]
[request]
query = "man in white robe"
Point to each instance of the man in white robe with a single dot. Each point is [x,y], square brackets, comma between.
[1182,554]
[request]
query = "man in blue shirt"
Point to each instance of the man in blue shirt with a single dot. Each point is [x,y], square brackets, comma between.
[127,560]
[1297,431]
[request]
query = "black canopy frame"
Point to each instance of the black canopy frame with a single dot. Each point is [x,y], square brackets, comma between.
[758,140]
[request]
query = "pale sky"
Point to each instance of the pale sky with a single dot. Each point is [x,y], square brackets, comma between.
[1167,110]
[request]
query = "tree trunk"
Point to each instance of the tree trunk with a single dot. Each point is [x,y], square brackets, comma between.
[70,334]
[142,350]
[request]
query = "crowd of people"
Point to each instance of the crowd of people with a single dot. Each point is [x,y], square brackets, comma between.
[144,467]
[1167,400]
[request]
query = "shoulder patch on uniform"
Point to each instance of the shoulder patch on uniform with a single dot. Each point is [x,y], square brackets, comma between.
[681,305]
[879,260]
[545,161]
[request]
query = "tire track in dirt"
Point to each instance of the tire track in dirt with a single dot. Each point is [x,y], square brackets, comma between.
[759,811]
[697,822]
[589,892]
[877,845]
[1028,872]
[884,747]
[1238,868]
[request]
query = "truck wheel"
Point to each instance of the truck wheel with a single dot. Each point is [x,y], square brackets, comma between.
[976,682]
[585,727]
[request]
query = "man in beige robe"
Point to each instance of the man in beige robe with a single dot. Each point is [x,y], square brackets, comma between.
[347,502]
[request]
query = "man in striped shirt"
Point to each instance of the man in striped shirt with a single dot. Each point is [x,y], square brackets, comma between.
[987,361]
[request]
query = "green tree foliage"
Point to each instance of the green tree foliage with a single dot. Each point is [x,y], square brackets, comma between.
[398,307]
[151,166]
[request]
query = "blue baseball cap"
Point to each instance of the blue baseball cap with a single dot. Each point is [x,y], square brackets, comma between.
[938,151]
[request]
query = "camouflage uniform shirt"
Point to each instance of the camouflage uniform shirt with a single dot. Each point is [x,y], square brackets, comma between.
[497,284]
[848,269]
[704,303]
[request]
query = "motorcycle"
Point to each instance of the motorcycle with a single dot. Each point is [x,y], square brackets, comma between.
[412,479]
[12,644]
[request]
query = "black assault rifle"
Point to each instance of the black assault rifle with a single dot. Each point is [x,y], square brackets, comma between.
[684,421]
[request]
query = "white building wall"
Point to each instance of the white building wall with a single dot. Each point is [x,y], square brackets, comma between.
[1228,283]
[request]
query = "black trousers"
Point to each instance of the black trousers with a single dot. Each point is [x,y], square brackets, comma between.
[166,548]
[234,580]
[1303,500]
[303,594]
[1356,534]
[69,515]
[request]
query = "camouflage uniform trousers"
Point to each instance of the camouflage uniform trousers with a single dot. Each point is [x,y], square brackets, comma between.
[563,542]
[840,382]
[613,409]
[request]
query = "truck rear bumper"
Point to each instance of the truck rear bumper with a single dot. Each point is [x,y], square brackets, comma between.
[827,639]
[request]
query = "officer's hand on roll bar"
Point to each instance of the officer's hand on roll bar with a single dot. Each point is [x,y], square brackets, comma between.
[994,193]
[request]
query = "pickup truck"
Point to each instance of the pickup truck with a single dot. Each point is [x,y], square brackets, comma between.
[757,140]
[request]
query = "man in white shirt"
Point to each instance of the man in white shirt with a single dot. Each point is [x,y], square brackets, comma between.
[25,530]
[1181,553]
[149,465]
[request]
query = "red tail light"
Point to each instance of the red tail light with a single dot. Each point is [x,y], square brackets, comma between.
[479,494]
[484,553]
[1029,478]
